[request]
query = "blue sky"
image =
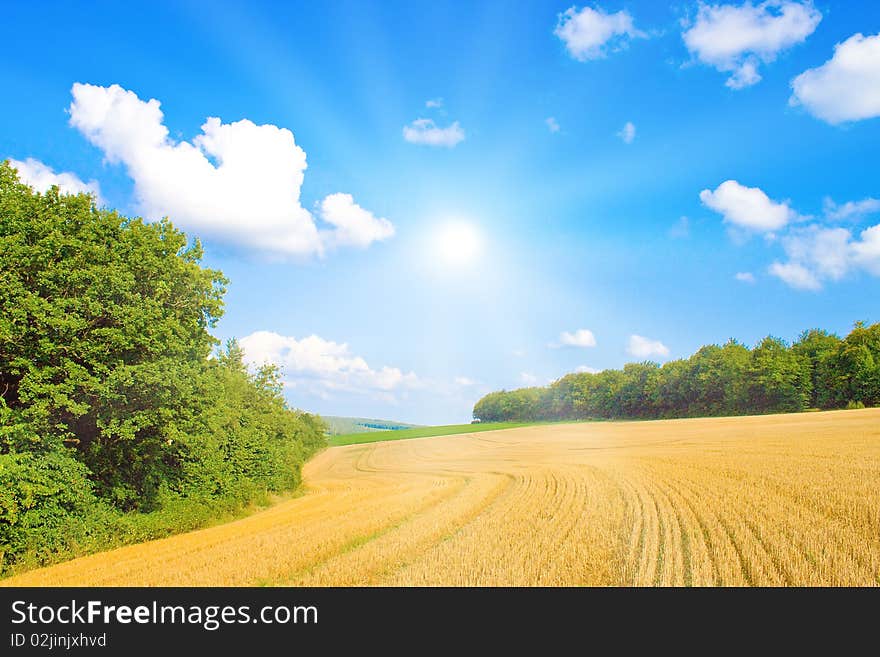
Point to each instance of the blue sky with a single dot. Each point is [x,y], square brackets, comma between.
[474,215]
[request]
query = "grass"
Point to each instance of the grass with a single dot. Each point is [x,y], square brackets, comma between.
[773,500]
[421,432]
[339,425]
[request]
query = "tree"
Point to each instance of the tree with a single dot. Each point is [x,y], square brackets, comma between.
[636,394]
[777,379]
[109,399]
[819,369]
[818,347]
[854,369]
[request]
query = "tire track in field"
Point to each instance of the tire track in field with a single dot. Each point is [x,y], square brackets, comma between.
[758,565]
[650,538]
[374,559]
[463,549]
[704,549]
[676,547]
[636,540]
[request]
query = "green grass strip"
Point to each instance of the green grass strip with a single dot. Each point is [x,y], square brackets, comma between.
[422,432]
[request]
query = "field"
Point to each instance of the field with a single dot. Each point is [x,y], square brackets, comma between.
[770,500]
[339,425]
[420,432]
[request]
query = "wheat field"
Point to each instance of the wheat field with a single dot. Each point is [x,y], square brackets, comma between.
[772,500]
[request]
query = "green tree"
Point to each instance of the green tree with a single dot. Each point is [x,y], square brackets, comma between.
[819,369]
[818,347]
[110,399]
[854,369]
[777,379]
[637,391]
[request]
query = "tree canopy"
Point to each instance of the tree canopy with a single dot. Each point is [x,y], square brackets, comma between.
[820,370]
[114,396]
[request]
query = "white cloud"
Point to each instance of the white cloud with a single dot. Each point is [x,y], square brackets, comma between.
[586,369]
[528,378]
[322,364]
[464,381]
[681,229]
[239,182]
[745,277]
[519,353]
[627,132]
[824,250]
[434,103]
[643,347]
[748,207]
[851,210]
[735,39]
[354,226]
[41,177]
[847,86]
[817,254]
[579,338]
[795,275]
[866,252]
[552,124]
[425,131]
[590,33]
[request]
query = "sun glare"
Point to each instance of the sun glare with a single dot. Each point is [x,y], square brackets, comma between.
[457,243]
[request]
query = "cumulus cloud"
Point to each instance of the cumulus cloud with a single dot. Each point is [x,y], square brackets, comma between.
[825,250]
[851,210]
[239,182]
[41,177]
[586,369]
[426,132]
[847,86]
[464,381]
[627,133]
[748,207]
[552,124]
[328,365]
[736,39]
[643,347]
[353,226]
[579,338]
[795,275]
[866,251]
[591,33]
[817,254]
[434,103]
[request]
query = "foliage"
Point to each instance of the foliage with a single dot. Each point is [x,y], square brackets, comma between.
[818,370]
[113,397]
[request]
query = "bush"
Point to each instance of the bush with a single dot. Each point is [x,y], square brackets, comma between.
[44,499]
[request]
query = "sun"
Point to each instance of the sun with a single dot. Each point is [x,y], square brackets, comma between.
[457,243]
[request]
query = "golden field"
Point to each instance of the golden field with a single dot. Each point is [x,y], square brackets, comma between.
[770,500]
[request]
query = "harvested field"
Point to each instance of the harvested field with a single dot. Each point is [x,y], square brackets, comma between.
[771,500]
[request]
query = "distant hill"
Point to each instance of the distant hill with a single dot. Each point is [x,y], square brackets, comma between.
[345,425]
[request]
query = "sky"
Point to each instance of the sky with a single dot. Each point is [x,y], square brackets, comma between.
[419,202]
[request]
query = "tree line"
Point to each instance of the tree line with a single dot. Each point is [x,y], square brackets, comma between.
[819,370]
[121,419]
